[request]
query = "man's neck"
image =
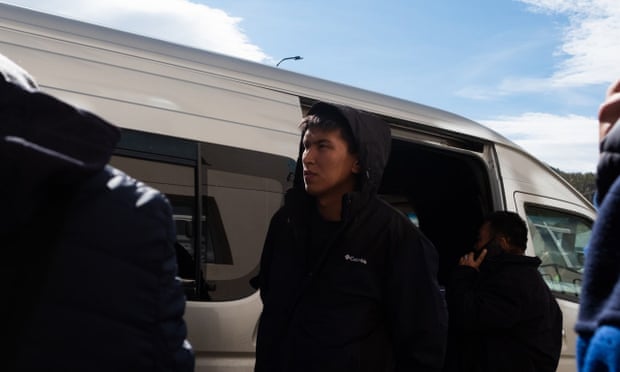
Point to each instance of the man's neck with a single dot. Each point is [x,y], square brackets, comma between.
[330,208]
[515,251]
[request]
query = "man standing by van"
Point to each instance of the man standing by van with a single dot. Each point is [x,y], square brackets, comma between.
[502,314]
[347,282]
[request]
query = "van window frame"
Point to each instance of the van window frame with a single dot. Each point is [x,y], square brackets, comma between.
[525,201]
[270,173]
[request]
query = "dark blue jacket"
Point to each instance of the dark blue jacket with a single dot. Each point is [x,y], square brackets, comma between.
[600,294]
[89,275]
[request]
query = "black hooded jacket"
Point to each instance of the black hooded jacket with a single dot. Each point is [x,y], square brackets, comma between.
[503,318]
[370,300]
[88,268]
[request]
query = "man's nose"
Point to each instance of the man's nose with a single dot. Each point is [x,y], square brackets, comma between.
[307,157]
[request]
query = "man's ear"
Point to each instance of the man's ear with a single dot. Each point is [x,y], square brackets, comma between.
[505,243]
[356,166]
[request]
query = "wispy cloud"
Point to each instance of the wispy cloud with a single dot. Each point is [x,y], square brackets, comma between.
[505,87]
[179,21]
[591,40]
[565,142]
[588,50]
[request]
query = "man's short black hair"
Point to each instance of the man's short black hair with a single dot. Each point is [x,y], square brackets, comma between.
[509,225]
[326,117]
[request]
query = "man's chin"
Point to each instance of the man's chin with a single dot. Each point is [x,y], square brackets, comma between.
[309,191]
[312,191]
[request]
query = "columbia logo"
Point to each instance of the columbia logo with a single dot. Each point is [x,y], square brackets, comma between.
[348,257]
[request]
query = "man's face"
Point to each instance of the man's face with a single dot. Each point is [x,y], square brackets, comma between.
[484,236]
[492,243]
[329,168]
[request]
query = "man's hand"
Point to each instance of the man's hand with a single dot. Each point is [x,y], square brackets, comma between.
[609,112]
[469,260]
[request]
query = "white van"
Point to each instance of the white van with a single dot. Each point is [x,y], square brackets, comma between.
[219,136]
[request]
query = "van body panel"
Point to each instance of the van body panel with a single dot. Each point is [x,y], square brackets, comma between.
[520,171]
[202,327]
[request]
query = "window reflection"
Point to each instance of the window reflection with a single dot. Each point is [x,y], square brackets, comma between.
[559,240]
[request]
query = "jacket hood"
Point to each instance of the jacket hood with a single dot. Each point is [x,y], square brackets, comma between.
[608,168]
[372,137]
[45,144]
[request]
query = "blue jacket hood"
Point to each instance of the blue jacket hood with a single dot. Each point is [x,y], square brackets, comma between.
[44,144]
[609,163]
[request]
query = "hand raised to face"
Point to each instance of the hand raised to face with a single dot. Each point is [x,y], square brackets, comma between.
[470,260]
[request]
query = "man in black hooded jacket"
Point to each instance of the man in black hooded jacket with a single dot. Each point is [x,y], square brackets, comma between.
[88,264]
[347,282]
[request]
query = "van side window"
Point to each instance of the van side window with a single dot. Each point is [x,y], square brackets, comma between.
[215,249]
[559,239]
[238,189]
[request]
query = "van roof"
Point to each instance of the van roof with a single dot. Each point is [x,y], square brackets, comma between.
[258,74]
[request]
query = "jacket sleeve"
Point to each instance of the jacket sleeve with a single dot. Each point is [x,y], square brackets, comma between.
[172,295]
[416,309]
[608,168]
[600,300]
[135,234]
[151,220]
[262,280]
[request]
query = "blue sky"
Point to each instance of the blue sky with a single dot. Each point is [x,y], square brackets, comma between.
[533,70]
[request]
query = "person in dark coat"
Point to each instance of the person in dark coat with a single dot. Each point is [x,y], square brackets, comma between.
[347,282]
[88,268]
[598,323]
[503,317]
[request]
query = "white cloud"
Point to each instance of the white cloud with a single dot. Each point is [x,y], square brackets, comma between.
[588,50]
[569,143]
[591,40]
[179,21]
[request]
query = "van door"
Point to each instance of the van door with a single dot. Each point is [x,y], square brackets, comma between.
[445,188]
